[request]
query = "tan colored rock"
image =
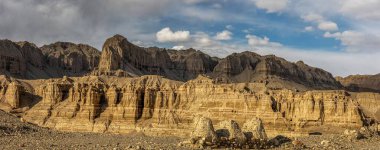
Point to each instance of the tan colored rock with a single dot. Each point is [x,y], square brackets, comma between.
[204,130]
[255,128]
[51,94]
[155,105]
[12,95]
[232,131]
[353,134]
[361,83]
[325,143]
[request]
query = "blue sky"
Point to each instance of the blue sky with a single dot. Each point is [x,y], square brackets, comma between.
[340,36]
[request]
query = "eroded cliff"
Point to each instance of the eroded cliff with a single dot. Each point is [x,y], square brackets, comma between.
[156,106]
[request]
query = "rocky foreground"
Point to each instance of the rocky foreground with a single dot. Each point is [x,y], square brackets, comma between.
[15,134]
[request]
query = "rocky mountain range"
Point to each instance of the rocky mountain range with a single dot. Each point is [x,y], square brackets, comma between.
[26,60]
[119,57]
[363,83]
[126,88]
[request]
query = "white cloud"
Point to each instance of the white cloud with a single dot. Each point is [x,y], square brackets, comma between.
[258,42]
[332,35]
[361,9]
[323,24]
[224,35]
[179,47]
[202,14]
[229,27]
[167,35]
[357,41]
[217,6]
[312,17]
[309,28]
[202,39]
[328,26]
[271,6]
[193,1]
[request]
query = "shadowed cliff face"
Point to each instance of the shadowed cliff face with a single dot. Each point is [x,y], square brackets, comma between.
[119,57]
[361,83]
[119,54]
[26,60]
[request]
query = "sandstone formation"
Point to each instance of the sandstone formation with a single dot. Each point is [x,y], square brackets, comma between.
[361,83]
[255,129]
[12,95]
[204,130]
[160,92]
[155,105]
[231,130]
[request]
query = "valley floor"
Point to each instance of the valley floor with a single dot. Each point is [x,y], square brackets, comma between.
[15,134]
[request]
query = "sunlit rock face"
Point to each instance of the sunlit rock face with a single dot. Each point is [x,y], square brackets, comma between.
[156,106]
[124,88]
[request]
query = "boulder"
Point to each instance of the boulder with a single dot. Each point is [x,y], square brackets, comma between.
[254,129]
[12,95]
[353,134]
[231,130]
[204,130]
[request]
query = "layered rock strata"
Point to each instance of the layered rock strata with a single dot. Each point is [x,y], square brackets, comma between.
[156,106]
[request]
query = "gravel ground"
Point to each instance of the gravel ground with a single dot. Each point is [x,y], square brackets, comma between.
[15,134]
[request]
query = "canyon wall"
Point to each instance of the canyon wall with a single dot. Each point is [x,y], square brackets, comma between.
[159,106]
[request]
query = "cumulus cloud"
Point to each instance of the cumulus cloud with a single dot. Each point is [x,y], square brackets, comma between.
[179,47]
[356,41]
[167,35]
[258,42]
[84,21]
[202,14]
[312,17]
[361,9]
[271,6]
[321,22]
[224,35]
[328,26]
[309,28]
[202,39]
[193,1]
[229,27]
